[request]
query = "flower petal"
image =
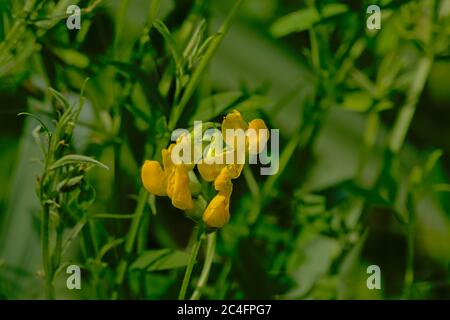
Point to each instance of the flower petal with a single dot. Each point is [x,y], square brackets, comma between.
[178,189]
[209,172]
[257,135]
[223,182]
[236,138]
[217,214]
[167,158]
[153,178]
[234,120]
[235,170]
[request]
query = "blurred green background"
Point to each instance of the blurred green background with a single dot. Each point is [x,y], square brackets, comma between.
[363,118]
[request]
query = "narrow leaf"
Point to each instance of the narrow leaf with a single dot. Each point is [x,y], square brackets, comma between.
[74,159]
[163,259]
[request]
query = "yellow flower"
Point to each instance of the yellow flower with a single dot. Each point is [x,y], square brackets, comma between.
[217,214]
[234,120]
[223,181]
[173,181]
[256,133]
[257,136]
[178,189]
[152,176]
[209,172]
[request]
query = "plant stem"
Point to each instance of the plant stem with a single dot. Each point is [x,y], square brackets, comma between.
[192,260]
[135,224]
[56,259]
[196,76]
[410,230]
[409,273]
[406,114]
[129,244]
[49,290]
[204,275]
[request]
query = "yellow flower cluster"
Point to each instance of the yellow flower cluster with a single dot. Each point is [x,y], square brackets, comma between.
[172,180]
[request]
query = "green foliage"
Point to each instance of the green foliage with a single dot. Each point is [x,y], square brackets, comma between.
[162,259]
[364,166]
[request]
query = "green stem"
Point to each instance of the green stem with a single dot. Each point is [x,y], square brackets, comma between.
[49,290]
[409,273]
[204,62]
[120,20]
[58,249]
[407,112]
[132,235]
[315,55]
[410,230]
[129,245]
[192,260]
[204,275]
[370,136]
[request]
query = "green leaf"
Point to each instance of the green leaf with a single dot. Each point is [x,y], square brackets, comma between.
[333,9]
[358,101]
[432,160]
[205,45]
[72,57]
[153,10]
[116,216]
[215,105]
[191,49]
[315,256]
[295,22]
[174,50]
[82,198]
[44,127]
[69,182]
[61,99]
[73,234]
[442,187]
[384,105]
[304,19]
[76,159]
[254,103]
[163,259]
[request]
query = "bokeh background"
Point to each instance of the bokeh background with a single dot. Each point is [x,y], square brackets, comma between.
[352,190]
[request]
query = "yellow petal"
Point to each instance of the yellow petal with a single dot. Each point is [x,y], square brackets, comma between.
[153,178]
[209,172]
[217,214]
[257,135]
[235,167]
[223,182]
[236,138]
[178,189]
[234,120]
[185,143]
[235,170]
[167,157]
